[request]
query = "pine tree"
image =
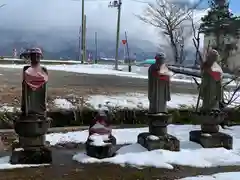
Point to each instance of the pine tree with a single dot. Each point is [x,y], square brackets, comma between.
[221,24]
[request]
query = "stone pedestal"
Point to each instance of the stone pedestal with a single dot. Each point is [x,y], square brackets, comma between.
[31,147]
[37,155]
[157,137]
[209,135]
[101,152]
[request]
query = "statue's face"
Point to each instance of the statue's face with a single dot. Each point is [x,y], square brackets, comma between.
[212,56]
[35,58]
[159,62]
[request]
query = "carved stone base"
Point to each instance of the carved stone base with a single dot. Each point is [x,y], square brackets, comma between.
[32,156]
[101,152]
[151,142]
[212,140]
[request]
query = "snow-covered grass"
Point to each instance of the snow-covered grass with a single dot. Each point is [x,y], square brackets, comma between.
[63,104]
[218,176]
[140,101]
[6,108]
[129,101]
[191,154]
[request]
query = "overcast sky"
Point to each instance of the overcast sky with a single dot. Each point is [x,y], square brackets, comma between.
[46,15]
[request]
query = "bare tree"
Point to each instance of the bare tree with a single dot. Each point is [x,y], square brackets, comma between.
[169,18]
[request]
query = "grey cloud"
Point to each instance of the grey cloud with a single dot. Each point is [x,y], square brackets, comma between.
[49,15]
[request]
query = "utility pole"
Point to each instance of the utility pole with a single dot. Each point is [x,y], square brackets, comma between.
[118,5]
[79,44]
[128,55]
[96,48]
[82,40]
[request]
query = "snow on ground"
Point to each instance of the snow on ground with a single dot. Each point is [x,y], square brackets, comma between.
[137,72]
[191,154]
[62,104]
[129,100]
[218,176]
[139,101]
[4,164]
[6,108]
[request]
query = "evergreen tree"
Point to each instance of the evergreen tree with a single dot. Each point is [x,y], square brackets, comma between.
[223,26]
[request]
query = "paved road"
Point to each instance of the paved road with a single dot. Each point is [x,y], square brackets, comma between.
[63,83]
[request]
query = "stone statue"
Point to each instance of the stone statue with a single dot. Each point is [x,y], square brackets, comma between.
[158,85]
[34,93]
[158,117]
[210,114]
[33,124]
[100,142]
[211,86]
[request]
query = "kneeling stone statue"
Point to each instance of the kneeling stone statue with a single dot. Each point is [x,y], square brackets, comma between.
[158,95]
[100,143]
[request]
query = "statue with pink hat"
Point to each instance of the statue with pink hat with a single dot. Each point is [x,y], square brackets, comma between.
[158,95]
[32,125]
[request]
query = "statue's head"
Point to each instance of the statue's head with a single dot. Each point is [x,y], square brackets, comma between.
[211,57]
[160,58]
[35,55]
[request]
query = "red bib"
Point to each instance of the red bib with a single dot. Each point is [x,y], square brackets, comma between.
[215,75]
[161,77]
[35,78]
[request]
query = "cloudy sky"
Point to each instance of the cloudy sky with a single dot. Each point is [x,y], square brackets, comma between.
[47,15]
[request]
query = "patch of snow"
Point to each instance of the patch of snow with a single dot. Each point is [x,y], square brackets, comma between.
[138,158]
[98,140]
[152,137]
[63,104]
[218,176]
[191,154]
[18,149]
[206,134]
[139,100]
[8,109]
[136,155]
[4,164]
[130,101]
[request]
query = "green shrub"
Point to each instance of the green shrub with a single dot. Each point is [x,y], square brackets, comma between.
[117,116]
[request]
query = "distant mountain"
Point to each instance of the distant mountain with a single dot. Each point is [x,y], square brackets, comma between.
[58,44]
[63,44]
